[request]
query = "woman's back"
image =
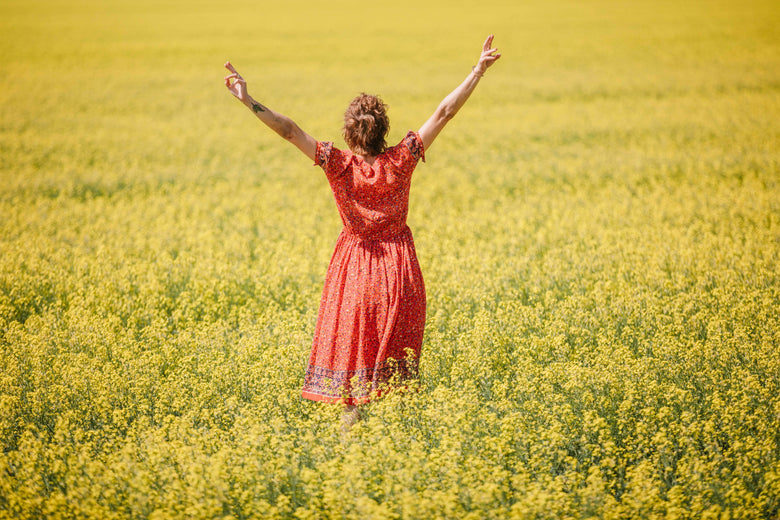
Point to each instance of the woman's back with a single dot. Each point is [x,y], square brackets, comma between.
[372,199]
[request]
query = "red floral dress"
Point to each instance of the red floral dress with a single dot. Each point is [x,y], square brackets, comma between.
[372,313]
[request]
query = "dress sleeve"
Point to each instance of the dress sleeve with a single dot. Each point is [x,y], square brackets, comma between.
[322,155]
[414,143]
[332,160]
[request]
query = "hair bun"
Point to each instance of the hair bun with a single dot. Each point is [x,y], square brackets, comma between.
[366,119]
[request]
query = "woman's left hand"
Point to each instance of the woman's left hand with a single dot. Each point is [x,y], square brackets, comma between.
[488,57]
[237,86]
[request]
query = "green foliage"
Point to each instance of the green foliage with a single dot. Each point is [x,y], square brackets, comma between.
[599,229]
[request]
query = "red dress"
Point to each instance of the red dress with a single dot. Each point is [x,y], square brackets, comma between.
[372,313]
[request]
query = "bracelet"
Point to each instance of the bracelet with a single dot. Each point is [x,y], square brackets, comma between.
[474,71]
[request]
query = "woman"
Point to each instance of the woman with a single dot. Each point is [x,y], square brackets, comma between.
[372,313]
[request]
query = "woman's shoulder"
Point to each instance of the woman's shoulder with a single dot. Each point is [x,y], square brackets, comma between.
[405,155]
[331,159]
[410,145]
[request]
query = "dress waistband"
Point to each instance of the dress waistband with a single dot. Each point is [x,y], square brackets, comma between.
[387,234]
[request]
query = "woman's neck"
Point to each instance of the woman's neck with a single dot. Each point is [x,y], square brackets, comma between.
[368,159]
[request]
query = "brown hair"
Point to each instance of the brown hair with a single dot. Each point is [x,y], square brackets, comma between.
[366,125]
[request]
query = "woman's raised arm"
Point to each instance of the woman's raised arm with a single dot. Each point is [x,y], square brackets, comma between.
[452,103]
[281,124]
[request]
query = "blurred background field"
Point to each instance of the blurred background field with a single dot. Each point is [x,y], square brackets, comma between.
[599,230]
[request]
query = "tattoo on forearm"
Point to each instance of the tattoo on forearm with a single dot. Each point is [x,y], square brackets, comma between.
[257,107]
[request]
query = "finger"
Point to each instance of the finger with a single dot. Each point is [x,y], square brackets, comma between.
[233,76]
[229,66]
[488,43]
[491,60]
[488,52]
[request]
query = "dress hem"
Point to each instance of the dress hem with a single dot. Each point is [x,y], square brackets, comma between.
[311,396]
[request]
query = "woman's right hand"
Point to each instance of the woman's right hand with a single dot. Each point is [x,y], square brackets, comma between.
[237,86]
[488,57]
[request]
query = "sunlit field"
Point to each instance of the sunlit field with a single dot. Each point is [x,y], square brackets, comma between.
[598,228]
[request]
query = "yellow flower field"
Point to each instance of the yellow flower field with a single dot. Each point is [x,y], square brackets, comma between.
[599,231]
